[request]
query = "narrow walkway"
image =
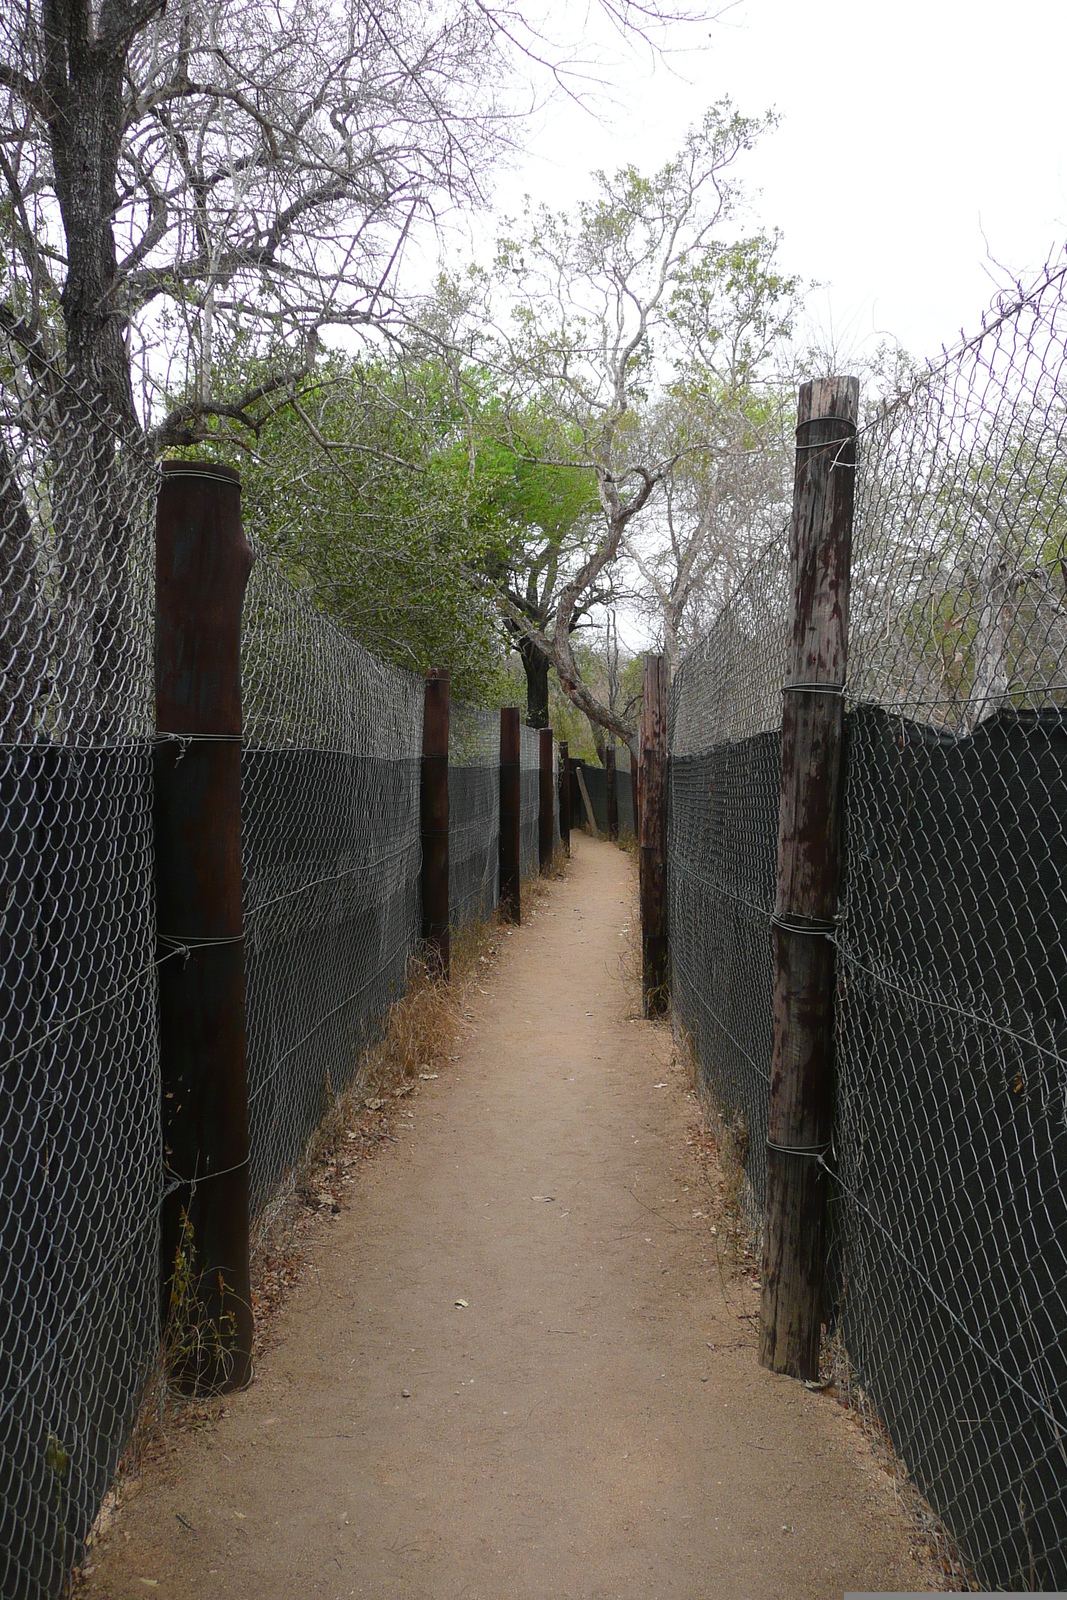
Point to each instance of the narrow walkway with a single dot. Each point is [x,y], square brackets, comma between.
[585,1418]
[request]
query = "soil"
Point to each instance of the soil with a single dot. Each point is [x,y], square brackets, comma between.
[521,1366]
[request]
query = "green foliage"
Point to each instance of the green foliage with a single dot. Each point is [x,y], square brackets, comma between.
[443,503]
[403,496]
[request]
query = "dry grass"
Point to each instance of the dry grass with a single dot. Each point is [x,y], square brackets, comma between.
[719,1144]
[933,1542]
[419,1039]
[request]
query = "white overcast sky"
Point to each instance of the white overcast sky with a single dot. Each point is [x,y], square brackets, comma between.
[917,140]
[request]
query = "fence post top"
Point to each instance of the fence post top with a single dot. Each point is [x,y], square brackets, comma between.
[200,469]
[835,397]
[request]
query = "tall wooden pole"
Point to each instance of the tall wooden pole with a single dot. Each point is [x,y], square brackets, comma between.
[809,854]
[611,791]
[510,814]
[545,839]
[434,818]
[652,855]
[202,567]
[564,796]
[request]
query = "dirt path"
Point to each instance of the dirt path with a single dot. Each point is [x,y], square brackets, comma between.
[589,1421]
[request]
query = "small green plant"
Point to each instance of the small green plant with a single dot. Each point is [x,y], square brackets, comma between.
[198,1343]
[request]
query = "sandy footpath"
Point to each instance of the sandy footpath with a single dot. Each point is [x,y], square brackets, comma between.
[589,1422]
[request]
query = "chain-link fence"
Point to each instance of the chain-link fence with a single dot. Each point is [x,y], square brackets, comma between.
[725,777]
[948,1282]
[330,775]
[330,861]
[81,1172]
[529,797]
[473,813]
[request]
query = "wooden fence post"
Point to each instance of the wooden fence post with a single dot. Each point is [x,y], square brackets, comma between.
[652,853]
[544,801]
[510,815]
[809,847]
[434,818]
[611,792]
[202,567]
[564,796]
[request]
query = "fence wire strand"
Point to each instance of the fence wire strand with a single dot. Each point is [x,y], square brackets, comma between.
[947,1293]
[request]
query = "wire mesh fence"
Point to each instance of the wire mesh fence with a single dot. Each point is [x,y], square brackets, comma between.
[948,1281]
[724,781]
[952,948]
[473,813]
[596,783]
[81,1172]
[330,861]
[530,797]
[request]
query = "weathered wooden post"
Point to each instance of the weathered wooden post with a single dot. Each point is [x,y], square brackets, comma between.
[652,840]
[544,801]
[202,567]
[434,818]
[564,796]
[510,814]
[611,792]
[809,845]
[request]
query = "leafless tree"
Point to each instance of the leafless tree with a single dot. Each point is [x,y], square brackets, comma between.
[192,179]
[182,179]
[193,190]
[726,495]
[611,306]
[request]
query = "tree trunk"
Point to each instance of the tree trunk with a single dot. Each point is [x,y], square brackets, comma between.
[536,667]
[84,80]
[20,588]
[99,482]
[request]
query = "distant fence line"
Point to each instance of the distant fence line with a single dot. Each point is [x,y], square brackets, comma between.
[946,1294]
[329,873]
[596,783]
